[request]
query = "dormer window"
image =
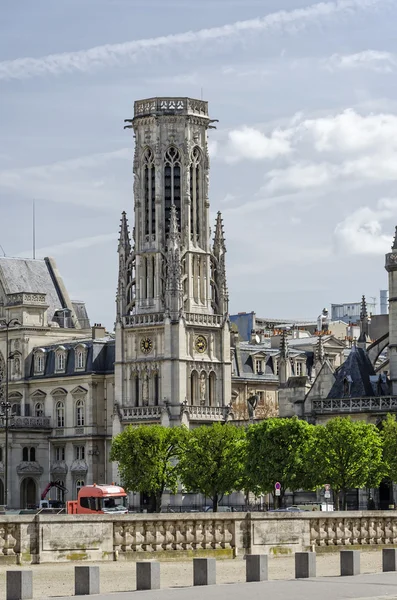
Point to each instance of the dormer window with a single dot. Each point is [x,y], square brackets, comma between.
[80,357]
[39,361]
[299,368]
[258,366]
[60,359]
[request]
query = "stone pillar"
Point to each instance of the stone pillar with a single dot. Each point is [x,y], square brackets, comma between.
[349,562]
[86,580]
[148,575]
[256,567]
[19,585]
[305,565]
[389,559]
[204,571]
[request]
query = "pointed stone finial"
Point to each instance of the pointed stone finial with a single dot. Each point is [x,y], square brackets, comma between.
[320,350]
[363,311]
[284,348]
[124,236]
[173,234]
[394,246]
[219,236]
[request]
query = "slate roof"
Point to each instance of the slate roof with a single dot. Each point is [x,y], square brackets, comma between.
[360,374]
[31,276]
[100,358]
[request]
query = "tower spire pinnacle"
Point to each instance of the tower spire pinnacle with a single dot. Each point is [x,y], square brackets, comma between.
[124,235]
[125,297]
[173,296]
[221,299]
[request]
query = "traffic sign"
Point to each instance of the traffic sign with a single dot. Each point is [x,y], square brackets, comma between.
[277,486]
[327,487]
[327,494]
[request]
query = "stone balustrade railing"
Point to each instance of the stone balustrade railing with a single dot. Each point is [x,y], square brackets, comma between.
[149,319]
[52,538]
[140,412]
[29,422]
[208,413]
[206,320]
[349,405]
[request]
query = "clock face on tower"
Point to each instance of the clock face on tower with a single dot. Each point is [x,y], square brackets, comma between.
[200,344]
[146,345]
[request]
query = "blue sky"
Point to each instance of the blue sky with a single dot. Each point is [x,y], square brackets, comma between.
[303,161]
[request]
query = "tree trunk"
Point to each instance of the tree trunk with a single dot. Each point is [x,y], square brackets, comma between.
[215,500]
[344,499]
[158,499]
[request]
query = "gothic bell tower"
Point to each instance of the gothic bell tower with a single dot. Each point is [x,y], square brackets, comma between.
[172,325]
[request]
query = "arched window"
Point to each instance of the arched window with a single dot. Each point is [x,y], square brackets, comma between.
[16,409]
[195,194]
[39,362]
[80,358]
[194,388]
[25,454]
[149,182]
[39,409]
[212,389]
[172,186]
[32,454]
[60,360]
[60,414]
[80,413]
[79,484]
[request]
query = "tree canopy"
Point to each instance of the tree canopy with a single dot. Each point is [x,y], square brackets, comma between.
[147,459]
[347,454]
[278,451]
[212,460]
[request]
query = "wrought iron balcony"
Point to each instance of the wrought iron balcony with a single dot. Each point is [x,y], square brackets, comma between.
[355,405]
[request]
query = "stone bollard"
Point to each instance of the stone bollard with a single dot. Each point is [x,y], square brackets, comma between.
[19,585]
[389,559]
[256,567]
[349,562]
[86,581]
[204,571]
[148,575]
[305,565]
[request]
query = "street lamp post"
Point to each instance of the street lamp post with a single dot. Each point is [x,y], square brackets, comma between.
[5,405]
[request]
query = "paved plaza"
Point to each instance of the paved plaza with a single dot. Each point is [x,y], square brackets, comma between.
[57,580]
[375,586]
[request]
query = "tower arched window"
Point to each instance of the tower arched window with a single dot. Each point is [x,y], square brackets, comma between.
[172,186]
[195,193]
[80,413]
[149,182]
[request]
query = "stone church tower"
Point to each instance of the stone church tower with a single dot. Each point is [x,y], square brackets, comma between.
[172,328]
[391,268]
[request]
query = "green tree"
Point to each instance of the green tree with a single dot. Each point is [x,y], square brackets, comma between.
[348,454]
[389,438]
[147,457]
[212,461]
[278,450]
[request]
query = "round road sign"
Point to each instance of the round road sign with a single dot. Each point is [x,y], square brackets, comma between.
[277,486]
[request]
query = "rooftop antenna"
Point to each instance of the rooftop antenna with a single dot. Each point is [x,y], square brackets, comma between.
[34,230]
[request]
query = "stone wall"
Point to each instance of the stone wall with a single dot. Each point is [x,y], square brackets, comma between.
[52,538]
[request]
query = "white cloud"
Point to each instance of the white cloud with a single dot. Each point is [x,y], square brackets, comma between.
[83,180]
[68,247]
[112,54]
[249,143]
[347,147]
[362,232]
[375,60]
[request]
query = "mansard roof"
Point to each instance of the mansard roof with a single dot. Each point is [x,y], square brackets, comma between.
[100,358]
[19,275]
